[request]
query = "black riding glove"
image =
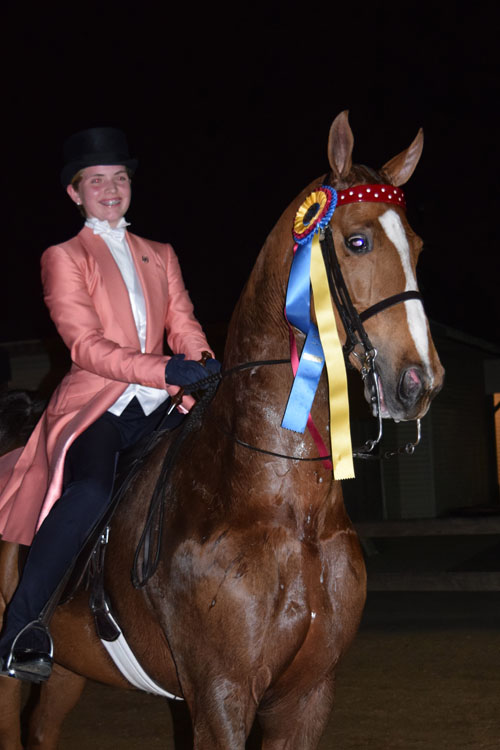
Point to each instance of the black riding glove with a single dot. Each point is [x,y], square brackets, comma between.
[187,372]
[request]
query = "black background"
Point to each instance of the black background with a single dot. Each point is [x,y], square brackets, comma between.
[228,109]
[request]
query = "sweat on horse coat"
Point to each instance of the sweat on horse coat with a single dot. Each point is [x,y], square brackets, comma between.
[89,304]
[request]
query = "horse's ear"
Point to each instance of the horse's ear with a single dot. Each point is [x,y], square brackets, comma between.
[399,169]
[340,145]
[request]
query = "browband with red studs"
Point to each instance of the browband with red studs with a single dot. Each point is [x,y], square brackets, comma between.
[373,194]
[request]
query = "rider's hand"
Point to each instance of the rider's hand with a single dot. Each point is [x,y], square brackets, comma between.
[186,372]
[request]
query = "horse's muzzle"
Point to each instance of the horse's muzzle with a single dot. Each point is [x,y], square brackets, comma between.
[414,393]
[411,387]
[409,394]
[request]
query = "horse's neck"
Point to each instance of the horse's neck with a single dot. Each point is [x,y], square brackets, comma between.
[251,402]
[258,330]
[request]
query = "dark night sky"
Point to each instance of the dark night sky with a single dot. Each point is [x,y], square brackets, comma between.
[229,115]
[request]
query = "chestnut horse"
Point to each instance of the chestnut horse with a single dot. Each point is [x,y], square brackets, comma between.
[260,585]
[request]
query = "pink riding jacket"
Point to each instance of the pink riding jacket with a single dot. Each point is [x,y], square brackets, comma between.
[89,304]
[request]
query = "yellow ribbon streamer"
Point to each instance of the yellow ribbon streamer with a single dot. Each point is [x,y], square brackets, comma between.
[340,434]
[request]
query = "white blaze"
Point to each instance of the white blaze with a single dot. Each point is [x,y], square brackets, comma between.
[417,322]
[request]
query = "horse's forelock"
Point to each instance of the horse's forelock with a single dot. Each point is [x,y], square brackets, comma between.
[360,174]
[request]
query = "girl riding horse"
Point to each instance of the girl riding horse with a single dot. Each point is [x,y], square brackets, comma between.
[111,296]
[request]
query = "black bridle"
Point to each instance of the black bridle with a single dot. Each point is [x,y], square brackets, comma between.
[351,319]
[357,340]
[357,344]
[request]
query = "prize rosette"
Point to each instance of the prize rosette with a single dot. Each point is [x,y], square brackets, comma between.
[314,213]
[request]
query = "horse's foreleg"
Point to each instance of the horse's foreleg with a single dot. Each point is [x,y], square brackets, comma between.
[10,709]
[9,573]
[222,716]
[10,690]
[57,697]
[182,726]
[295,721]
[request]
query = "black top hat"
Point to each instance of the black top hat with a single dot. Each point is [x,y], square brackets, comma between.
[88,148]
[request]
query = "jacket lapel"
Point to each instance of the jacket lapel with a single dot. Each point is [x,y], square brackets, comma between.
[152,274]
[113,282]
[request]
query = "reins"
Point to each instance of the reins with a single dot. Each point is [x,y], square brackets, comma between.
[361,452]
[148,551]
[357,344]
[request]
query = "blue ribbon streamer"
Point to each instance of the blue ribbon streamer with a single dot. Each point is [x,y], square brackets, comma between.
[312,359]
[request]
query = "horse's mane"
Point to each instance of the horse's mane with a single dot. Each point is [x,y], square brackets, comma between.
[19,412]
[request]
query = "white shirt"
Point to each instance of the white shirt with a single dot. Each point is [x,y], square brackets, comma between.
[149,398]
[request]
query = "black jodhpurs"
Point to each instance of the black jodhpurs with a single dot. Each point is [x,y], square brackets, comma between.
[89,475]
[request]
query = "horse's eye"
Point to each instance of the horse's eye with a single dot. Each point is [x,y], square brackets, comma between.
[358,243]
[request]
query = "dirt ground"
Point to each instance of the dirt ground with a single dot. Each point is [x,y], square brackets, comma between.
[424,672]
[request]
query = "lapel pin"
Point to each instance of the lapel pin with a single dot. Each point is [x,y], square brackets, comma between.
[145,259]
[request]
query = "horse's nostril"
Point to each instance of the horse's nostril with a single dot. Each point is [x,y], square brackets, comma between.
[411,384]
